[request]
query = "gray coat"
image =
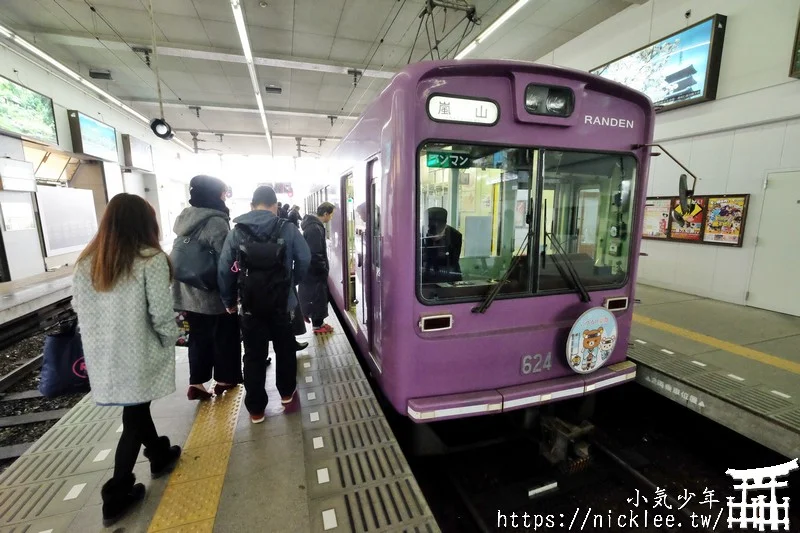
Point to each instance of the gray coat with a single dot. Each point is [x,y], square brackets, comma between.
[128,333]
[185,297]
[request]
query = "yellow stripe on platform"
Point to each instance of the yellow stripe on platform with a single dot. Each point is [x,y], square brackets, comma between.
[190,502]
[737,349]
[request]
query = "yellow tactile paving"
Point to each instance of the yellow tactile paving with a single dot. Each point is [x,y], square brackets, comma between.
[202,462]
[205,526]
[191,499]
[720,344]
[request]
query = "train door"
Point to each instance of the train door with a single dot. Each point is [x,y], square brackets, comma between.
[360,236]
[375,307]
[588,211]
[349,264]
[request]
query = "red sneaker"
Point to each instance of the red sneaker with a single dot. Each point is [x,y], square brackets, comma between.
[256,419]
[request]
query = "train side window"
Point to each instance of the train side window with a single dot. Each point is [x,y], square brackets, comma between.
[376,221]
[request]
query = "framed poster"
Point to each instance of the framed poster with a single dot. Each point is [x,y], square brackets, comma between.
[657,218]
[725,219]
[693,230]
[794,69]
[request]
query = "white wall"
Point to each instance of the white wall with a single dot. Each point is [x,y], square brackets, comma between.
[730,143]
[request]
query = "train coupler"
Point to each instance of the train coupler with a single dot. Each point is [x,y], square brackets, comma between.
[564,443]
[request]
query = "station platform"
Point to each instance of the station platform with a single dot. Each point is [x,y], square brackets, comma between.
[29,295]
[736,365]
[326,462]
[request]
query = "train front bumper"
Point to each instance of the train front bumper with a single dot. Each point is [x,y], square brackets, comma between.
[519,396]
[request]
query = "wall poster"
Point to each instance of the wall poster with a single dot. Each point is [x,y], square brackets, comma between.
[657,218]
[725,219]
[693,229]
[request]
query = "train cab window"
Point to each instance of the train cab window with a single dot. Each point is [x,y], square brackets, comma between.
[473,220]
[587,216]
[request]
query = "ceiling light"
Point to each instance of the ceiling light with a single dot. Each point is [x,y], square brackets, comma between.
[74,75]
[238,16]
[488,31]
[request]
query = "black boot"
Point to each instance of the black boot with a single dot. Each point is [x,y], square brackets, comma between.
[162,456]
[119,495]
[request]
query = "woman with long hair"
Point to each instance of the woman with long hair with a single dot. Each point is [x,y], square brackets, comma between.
[215,343]
[122,298]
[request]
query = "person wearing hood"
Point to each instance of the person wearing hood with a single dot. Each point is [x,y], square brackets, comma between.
[314,289]
[294,215]
[258,330]
[214,338]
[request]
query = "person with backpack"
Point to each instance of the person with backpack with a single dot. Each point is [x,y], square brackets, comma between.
[120,292]
[314,288]
[214,338]
[263,258]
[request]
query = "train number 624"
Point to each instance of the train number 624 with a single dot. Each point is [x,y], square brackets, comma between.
[532,364]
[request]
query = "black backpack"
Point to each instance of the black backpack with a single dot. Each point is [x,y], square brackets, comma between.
[264,280]
[194,262]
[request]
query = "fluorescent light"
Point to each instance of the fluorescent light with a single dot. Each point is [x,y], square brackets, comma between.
[470,47]
[77,77]
[488,31]
[241,27]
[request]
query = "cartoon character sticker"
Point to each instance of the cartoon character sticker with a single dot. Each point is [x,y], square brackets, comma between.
[592,340]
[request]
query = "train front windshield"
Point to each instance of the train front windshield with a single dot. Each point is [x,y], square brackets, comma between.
[540,213]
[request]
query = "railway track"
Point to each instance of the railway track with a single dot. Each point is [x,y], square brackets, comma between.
[650,466]
[25,414]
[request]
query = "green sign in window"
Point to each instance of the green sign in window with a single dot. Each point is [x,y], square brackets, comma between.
[448,160]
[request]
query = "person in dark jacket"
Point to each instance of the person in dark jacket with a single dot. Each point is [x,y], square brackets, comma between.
[294,215]
[442,249]
[257,332]
[214,339]
[314,288]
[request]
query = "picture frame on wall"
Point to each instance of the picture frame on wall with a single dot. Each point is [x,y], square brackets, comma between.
[794,68]
[726,217]
[657,219]
[692,231]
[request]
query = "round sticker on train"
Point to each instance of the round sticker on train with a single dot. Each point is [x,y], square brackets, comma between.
[591,340]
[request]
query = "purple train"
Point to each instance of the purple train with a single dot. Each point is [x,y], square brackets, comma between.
[485,243]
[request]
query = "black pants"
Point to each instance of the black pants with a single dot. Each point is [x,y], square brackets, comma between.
[257,333]
[214,345]
[314,300]
[137,429]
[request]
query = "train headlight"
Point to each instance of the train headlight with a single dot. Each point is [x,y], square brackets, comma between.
[553,101]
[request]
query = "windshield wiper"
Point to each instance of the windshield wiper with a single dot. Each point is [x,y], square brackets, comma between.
[573,274]
[495,290]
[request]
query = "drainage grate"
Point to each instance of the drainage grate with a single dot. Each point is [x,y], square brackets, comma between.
[340,375]
[759,401]
[89,412]
[393,506]
[332,361]
[679,368]
[335,474]
[790,418]
[59,437]
[347,437]
[338,392]
[648,355]
[41,467]
[27,503]
[715,383]
[340,413]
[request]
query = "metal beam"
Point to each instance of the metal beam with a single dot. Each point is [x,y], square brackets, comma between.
[256,134]
[234,109]
[207,54]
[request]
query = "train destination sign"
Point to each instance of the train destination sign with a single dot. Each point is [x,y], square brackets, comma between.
[448,160]
[466,110]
